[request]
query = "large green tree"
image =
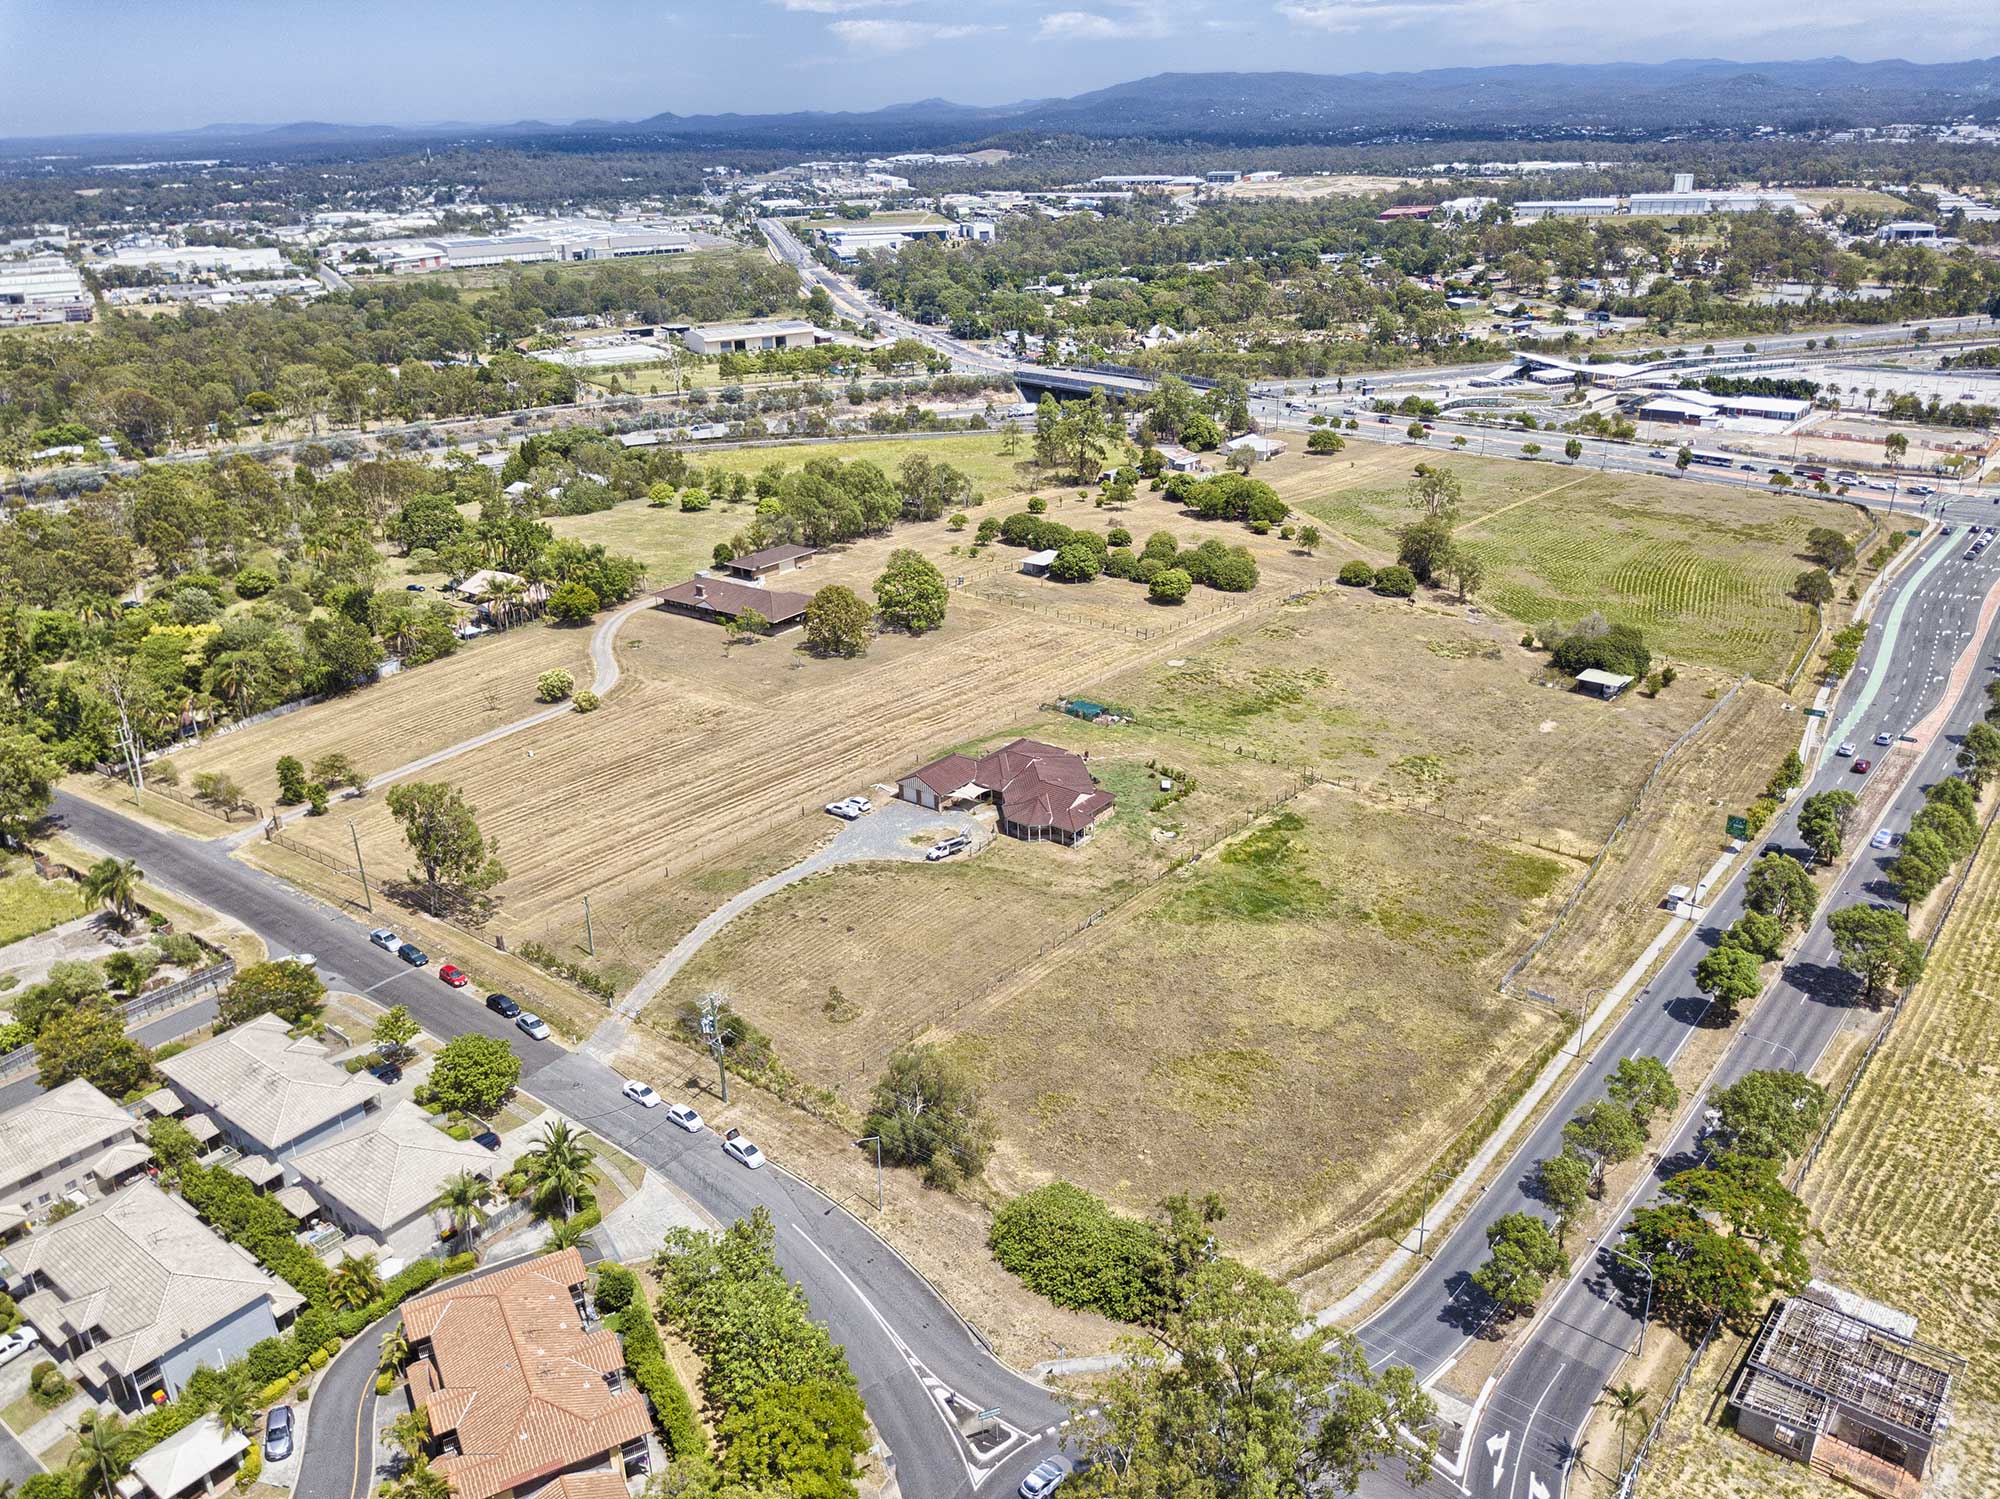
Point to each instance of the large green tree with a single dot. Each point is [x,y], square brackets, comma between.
[837,622]
[911,594]
[1823,820]
[474,1073]
[1875,945]
[453,856]
[928,1113]
[1604,1133]
[1779,886]
[89,1042]
[287,989]
[1522,1255]
[1645,1086]
[1772,1113]
[1729,976]
[28,776]
[1228,1402]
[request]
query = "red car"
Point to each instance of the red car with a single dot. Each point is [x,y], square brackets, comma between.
[454,976]
[1861,767]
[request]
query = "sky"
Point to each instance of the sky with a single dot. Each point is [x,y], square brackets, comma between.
[74,66]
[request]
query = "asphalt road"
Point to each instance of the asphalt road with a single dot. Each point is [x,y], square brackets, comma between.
[1525,1435]
[904,1342]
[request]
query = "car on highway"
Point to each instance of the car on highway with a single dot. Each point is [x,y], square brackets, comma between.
[742,1148]
[1882,839]
[1748,468]
[18,1342]
[1657,453]
[452,974]
[385,939]
[1885,737]
[278,1432]
[641,1093]
[1048,1476]
[532,1024]
[1922,490]
[1862,767]
[412,954]
[685,1117]
[1846,749]
[944,848]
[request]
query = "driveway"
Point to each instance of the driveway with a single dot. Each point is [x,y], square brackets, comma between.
[895,830]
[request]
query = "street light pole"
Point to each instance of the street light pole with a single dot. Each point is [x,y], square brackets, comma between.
[876,1140]
[1424,1219]
[1645,1316]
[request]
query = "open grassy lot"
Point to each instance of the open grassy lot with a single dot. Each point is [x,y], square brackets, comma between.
[975,454]
[483,684]
[30,904]
[480,279]
[1704,572]
[1330,976]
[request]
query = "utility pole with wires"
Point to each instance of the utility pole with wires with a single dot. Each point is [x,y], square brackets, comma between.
[711,1030]
[355,833]
[127,740]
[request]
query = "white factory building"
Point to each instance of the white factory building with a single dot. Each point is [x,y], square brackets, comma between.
[178,262]
[1697,408]
[529,242]
[42,289]
[751,338]
[1684,200]
[1908,232]
[1530,210]
[848,243]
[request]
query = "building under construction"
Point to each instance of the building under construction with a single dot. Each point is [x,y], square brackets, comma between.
[1842,1383]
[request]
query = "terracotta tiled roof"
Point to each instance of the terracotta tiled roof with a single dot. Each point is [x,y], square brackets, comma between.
[522,1381]
[1036,784]
[600,1485]
[727,596]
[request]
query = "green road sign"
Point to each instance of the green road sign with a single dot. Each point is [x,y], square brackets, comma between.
[1739,827]
[1815,713]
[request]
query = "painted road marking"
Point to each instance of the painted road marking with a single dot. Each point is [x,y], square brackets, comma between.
[1496,1448]
[1536,1488]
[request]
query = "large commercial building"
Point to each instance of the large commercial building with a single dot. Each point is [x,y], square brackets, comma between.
[179,262]
[1908,232]
[42,289]
[752,337]
[1529,210]
[528,242]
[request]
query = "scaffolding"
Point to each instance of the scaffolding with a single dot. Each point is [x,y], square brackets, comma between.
[1812,1360]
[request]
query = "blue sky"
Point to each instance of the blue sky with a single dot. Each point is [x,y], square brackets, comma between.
[154,64]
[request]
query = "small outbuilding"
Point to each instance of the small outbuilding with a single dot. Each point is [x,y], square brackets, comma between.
[1263,449]
[767,562]
[1606,684]
[1037,564]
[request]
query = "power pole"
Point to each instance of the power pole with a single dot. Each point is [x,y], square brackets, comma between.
[876,1140]
[711,1027]
[589,942]
[366,899]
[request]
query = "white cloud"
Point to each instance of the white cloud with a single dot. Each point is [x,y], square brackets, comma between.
[1355,15]
[836,7]
[874,34]
[1133,20]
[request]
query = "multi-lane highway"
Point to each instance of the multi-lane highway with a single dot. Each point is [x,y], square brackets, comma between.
[906,1344]
[1933,619]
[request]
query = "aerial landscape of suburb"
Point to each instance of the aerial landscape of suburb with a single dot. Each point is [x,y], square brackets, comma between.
[855,749]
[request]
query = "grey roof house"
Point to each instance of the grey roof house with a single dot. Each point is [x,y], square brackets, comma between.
[138,1293]
[70,1139]
[384,1176]
[272,1094]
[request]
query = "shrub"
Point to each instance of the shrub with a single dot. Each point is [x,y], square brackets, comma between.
[276,1390]
[458,1264]
[554,686]
[585,701]
[1396,581]
[255,582]
[251,1469]
[384,1382]
[1170,586]
[1075,563]
[1069,1247]
[1357,574]
[673,1411]
[615,1288]
[1120,562]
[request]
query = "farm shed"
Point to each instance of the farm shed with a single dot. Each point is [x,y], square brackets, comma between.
[756,566]
[1606,684]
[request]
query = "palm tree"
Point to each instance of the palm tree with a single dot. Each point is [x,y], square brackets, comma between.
[421,1481]
[395,1349]
[355,1281]
[114,883]
[234,1407]
[463,1202]
[410,1433]
[1628,1404]
[101,1456]
[559,1164]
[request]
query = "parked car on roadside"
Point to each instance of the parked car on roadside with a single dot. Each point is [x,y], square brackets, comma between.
[412,954]
[641,1093]
[739,1145]
[18,1342]
[452,974]
[500,1004]
[685,1117]
[533,1025]
[1047,1477]
[385,939]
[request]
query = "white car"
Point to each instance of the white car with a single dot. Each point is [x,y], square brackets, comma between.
[1846,748]
[641,1093]
[958,843]
[1885,738]
[1882,839]
[17,1343]
[739,1145]
[533,1024]
[1046,1478]
[385,939]
[304,960]
[846,809]
[685,1117]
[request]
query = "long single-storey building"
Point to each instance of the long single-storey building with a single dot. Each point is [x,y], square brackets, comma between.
[69,1140]
[712,599]
[751,338]
[754,567]
[1043,793]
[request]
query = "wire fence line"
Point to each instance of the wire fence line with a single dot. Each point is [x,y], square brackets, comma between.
[1631,1474]
[1638,801]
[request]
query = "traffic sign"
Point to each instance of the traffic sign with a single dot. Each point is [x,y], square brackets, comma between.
[1739,827]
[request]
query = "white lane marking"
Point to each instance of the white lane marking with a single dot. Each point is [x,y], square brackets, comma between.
[1528,1430]
[1496,1448]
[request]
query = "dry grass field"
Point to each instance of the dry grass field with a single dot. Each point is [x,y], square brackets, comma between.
[1336,185]
[1702,571]
[485,683]
[1906,1202]
[1331,975]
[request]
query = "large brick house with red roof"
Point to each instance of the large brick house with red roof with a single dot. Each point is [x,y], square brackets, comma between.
[524,1390]
[1043,793]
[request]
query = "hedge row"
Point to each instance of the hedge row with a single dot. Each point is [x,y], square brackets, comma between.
[622,1299]
[255,1223]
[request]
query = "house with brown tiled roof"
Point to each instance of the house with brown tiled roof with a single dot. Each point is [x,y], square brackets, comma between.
[1043,793]
[712,599]
[523,1388]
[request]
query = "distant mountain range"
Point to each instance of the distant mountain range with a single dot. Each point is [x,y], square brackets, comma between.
[1608,99]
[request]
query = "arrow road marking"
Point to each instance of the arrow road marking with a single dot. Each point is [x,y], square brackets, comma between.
[1496,1448]
[1536,1488]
